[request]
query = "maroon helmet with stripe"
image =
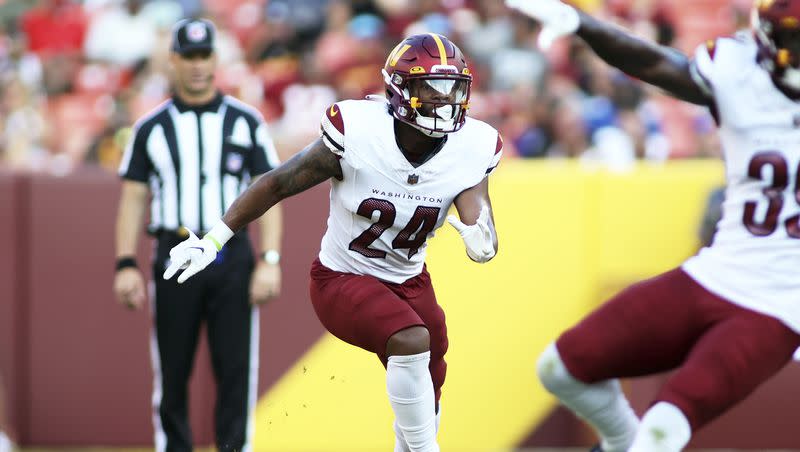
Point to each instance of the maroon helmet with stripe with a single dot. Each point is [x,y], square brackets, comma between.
[776,27]
[428,83]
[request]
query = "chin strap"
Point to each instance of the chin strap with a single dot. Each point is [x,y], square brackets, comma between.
[428,132]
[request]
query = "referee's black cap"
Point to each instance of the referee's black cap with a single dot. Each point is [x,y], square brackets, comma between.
[193,34]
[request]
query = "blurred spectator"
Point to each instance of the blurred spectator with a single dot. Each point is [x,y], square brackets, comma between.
[305,17]
[24,132]
[518,63]
[299,123]
[279,54]
[107,148]
[55,27]
[570,139]
[492,31]
[55,32]
[11,11]
[126,33]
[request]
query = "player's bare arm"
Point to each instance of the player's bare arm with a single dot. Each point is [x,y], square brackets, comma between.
[657,65]
[470,202]
[314,164]
[311,166]
[476,222]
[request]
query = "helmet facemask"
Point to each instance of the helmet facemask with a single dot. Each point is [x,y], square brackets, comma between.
[439,103]
[435,104]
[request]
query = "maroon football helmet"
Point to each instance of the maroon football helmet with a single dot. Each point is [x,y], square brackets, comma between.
[776,26]
[428,84]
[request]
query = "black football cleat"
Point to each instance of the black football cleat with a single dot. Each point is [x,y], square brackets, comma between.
[596,448]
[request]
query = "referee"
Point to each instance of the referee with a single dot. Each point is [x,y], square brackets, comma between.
[193,155]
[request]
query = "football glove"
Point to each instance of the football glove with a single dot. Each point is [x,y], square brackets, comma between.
[557,19]
[477,238]
[191,256]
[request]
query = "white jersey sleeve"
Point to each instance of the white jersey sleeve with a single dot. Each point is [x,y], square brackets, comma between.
[702,66]
[498,154]
[332,130]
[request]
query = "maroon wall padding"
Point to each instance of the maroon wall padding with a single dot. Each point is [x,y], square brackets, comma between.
[90,372]
[89,364]
[559,429]
[289,325]
[10,309]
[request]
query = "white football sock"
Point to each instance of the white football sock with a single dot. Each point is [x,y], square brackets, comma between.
[410,389]
[400,442]
[602,404]
[664,428]
[5,443]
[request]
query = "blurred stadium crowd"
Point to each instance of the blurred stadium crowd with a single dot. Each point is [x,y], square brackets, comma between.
[76,75]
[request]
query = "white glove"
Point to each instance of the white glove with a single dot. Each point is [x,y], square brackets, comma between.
[193,255]
[477,237]
[557,18]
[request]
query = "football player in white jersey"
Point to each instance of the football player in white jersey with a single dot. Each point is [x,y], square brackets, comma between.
[396,165]
[729,317]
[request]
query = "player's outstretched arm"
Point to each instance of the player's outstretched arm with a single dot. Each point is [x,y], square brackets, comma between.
[476,222]
[311,166]
[314,164]
[657,65]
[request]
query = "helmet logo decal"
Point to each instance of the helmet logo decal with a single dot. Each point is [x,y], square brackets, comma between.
[440,46]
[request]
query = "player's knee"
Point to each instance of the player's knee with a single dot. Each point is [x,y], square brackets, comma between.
[552,372]
[409,341]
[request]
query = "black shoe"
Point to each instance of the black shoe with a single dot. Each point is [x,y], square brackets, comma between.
[596,448]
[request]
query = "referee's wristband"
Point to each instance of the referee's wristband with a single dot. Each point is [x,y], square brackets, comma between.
[126,262]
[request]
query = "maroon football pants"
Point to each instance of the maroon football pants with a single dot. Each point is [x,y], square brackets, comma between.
[365,311]
[721,351]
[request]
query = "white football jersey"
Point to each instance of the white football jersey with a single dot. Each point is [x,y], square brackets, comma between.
[755,258]
[384,209]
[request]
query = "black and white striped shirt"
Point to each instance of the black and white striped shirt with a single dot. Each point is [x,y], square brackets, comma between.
[197,159]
